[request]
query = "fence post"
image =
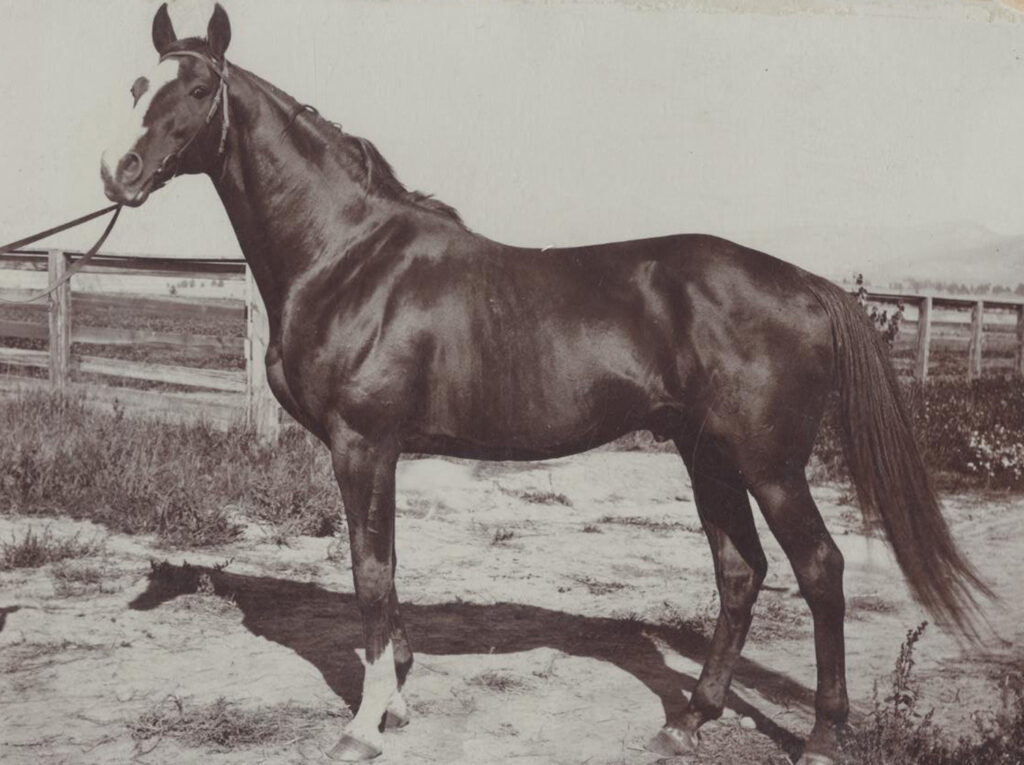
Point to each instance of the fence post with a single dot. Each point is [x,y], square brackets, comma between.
[1020,341]
[261,410]
[977,337]
[924,336]
[60,321]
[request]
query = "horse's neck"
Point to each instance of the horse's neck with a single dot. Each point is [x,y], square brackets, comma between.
[283,190]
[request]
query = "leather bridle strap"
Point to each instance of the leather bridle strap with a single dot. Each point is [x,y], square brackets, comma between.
[220,100]
[80,263]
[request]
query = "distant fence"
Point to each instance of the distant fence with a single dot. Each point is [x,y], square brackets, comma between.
[220,394]
[981,314]
[230,394]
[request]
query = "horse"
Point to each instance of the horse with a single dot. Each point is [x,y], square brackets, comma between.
[395,328]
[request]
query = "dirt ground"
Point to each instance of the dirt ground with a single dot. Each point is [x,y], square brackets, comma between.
[557,609]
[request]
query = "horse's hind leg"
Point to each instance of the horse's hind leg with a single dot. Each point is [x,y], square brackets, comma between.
[740,567]
[818,564]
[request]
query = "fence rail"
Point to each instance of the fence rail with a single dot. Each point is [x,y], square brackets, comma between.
[228,393]
[926,305]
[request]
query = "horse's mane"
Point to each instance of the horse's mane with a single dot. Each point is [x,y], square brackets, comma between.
[368,168]
[377,175]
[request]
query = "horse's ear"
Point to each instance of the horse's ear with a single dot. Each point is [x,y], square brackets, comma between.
[218,32]
[163,30]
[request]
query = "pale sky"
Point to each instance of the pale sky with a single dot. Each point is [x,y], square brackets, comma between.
[564,123]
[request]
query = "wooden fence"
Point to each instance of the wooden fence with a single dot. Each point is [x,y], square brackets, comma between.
[926,306]
[222,395]
[228,394]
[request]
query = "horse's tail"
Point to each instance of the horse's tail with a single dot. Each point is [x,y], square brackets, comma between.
[885,464]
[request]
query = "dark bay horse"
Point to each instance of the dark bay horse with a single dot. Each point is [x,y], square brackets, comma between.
[394,328]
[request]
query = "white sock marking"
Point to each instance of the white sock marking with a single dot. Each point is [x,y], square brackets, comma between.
[380,684]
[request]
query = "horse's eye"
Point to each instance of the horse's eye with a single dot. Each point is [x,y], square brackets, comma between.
[199,92]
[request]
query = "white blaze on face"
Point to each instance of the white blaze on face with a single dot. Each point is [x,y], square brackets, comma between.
[130,129]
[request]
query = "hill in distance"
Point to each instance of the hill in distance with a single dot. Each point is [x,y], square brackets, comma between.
[956,252]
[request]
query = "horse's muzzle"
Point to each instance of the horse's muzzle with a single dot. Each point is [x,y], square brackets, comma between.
[117,185]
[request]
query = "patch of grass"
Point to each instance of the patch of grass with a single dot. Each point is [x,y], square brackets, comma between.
[858,605]
[178,481]
[75,579]
[294,495]
[223,724]
[898,732]
[33,549]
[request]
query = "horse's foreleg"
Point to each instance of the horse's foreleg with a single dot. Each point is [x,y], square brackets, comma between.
[740,567]
[397,714]
[366,474]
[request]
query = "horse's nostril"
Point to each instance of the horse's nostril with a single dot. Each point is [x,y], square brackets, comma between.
[130,167]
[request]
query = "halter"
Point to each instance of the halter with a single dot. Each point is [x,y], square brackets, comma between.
[219,100]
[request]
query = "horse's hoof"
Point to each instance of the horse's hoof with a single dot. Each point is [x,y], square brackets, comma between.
[672,742]
[351,749]
[810,758]
[394,720]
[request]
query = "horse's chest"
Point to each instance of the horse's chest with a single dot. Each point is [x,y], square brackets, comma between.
[352,369]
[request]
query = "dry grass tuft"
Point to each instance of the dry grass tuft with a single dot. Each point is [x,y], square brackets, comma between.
[223,724]
[650,524]
[502,535]
[76,579]
[33,549]
[544,498]
[501,682]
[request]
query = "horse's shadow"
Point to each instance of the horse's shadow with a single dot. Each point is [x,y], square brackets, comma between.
[324,628]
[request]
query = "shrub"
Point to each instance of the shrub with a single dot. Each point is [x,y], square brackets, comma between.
[974,429]
[997,456]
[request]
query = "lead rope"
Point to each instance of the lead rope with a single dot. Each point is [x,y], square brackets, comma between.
[79,264]
[221,100]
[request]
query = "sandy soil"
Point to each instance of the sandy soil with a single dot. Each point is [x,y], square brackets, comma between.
[534,595]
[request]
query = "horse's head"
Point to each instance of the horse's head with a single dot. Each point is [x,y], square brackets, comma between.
[179,119]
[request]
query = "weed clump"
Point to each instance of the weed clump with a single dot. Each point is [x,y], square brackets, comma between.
[33,549]
[502,535]
[898,732]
